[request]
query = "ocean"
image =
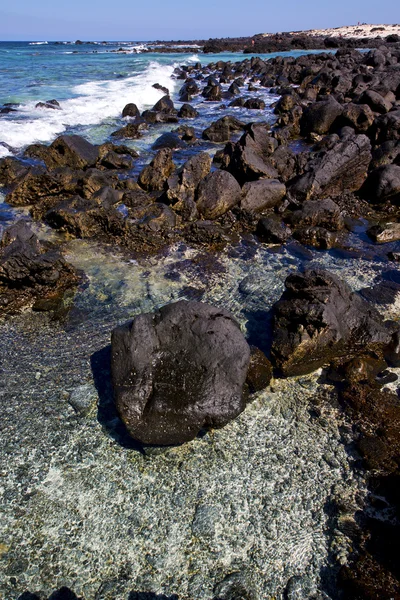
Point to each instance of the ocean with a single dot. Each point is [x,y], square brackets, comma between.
[92,83]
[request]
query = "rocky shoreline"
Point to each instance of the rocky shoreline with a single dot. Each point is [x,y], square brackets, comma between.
[329,162]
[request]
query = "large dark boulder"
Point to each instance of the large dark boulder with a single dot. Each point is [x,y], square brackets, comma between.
[71,151]
[131,110]
[30,270]
[318,213]
[383,184]
[212,93]
[168,140]
[217,193]
[262,194]
[330,172]
[318,319]
[221,130]
[154,176]
[187,111]
[320,116]
[183,183]
[251,156]
[387,127]
[164,105]
[177,371]
[375,101]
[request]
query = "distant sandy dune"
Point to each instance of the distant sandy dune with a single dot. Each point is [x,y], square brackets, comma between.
[351,31]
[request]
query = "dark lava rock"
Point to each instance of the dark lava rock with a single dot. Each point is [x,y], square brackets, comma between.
[154,176]
[52,104]
[320,116]
[168,140]
[183,183]
[63,593]
[386,154]
[376,102]
[381,234]
[131,131]
[319,237]
[217,193]
[187,111]
[30,269]
[163,89]
[262,194]
[318,213]
[164,105]
[251,156]
[331,172]
[382,184]
[259,374]
[318,319]
[12,169]
[178,370]
[131,110]
[71,151]
[254,104]
[387,127]
[273,230]
[221,130]
[212,93]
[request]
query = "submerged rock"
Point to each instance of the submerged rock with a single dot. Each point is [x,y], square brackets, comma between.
[319,318]
[30,270]
[178,370]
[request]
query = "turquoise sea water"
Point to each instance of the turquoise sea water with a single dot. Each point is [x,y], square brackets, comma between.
[92,82]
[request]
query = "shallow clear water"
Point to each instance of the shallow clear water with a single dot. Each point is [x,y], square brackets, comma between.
[82,506]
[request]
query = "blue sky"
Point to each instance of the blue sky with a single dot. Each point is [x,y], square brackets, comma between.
[181,19]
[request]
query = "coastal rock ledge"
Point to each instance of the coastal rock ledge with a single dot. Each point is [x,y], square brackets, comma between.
[178,370]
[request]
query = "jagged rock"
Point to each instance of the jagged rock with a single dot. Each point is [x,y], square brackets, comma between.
[383,184]
[375,101]
[154,176]
[262,194]
[319,318]
[320,116]
[184,182]
[178,370]
[164,105]
[212,93]
[273,230]
[338,169]
[52,104]
[86,218]
[187,111]
[221,130]
[250,158]
[131,131]
[30,270]
[71,151]
[387,127]
[217,193]
[319,237]
[254,104]
[11,170]
[318,213]
[381,234]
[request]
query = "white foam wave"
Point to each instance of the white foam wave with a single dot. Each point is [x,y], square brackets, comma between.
[38,43]
[4,151]
[94,103]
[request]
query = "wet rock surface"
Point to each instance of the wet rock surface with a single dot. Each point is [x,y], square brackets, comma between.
[178,371]
[31,272]
[319,173]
